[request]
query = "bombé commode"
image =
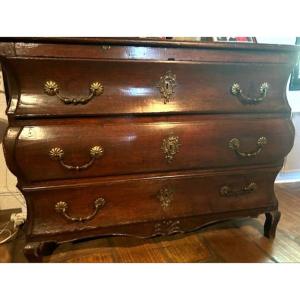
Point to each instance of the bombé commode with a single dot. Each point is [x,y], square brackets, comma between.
[143,137]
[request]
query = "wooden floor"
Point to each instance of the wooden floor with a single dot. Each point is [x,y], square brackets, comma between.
[231,241]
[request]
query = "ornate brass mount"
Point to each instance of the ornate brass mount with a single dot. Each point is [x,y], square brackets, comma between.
[106,47]
[167,227]
[62,207]
[165,196]
[51,88]
[234,144]
[238,92]
[170,146]
[227,191]
[58,154]
[166,86]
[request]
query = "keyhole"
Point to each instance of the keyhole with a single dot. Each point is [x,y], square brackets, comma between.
[168,87]
[171,148]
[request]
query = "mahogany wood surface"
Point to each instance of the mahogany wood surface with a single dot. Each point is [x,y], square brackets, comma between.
[145,194]
[101,51]
[131,86]
[138,200]
[236,241]
[153,42]
[136,147]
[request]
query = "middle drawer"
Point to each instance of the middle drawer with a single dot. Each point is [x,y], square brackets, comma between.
[91,148]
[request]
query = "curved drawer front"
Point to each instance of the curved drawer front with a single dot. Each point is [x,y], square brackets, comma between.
[90,87]
[94,148]
[148,199]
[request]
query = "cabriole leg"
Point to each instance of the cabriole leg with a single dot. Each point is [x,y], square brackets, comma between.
[34,251]
[272,219]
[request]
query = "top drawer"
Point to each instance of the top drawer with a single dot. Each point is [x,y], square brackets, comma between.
[47,87]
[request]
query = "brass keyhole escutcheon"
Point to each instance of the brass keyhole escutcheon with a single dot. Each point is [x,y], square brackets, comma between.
[165,197]
[166,86]
[170,146]
[168,89]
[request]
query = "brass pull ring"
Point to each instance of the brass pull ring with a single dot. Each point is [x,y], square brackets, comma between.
[51,88]
[238,92]
[234,144]
[62,207]
[58,154]
[227,191]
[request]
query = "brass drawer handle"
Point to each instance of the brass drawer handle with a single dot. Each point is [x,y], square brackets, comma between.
[234,144]
[238,92]
[166,86]
[58,154]
[227,191]
[62,207]
[51,88]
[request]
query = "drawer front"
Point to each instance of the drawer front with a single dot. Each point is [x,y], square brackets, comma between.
[59,87]
[118,202]
[92,148]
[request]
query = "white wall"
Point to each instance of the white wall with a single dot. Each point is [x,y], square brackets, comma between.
[10,197]
[293,96]
[292,162]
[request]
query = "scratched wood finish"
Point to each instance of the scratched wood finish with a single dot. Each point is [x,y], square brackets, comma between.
[109,51]
[131,87]
[130,120]
[136,147]
[191,194]
[238,240]
[150,41]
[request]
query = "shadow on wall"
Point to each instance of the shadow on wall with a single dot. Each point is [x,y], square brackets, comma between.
[3,126]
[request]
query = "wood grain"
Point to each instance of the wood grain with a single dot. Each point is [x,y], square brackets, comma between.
[153,42]
[132,120]
[144,52]
[137,200]
[130,86]
[233,241]
[136,147]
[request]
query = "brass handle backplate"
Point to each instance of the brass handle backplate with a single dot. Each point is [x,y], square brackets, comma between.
[234,144]
[170,146]
[58,154]
[51,88]
[62,207]
[166,86]
[227,191]
[106,47]
[237,91]
[165,197]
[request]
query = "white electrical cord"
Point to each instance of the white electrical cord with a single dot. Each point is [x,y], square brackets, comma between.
[4,227]
[17,219]
[10,234]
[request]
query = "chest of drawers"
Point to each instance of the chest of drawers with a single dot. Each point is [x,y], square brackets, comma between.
[143,137]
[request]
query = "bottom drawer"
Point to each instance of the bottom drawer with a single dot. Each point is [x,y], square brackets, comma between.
[96,204]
